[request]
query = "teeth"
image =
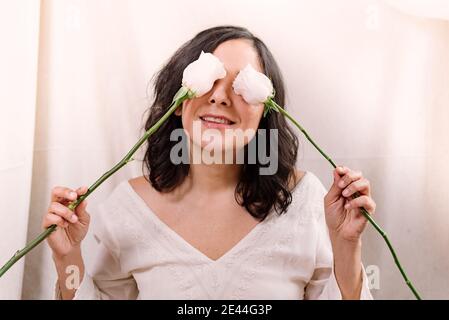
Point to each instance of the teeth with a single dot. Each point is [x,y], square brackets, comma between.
[216,120]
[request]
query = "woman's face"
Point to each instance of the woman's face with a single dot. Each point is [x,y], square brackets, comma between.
[222,102]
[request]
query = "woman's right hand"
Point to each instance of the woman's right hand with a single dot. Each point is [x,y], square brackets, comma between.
[72,226]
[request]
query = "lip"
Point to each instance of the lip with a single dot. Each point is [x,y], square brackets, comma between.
[215,125]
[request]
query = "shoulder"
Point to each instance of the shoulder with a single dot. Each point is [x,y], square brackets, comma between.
[307,196]
[118,197]
[117,220]
[134,195]
[106,216]
[309,181]
[143,187]
[137,182]
[119,205]
[298,175]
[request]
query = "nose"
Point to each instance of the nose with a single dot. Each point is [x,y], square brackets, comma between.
[219,94]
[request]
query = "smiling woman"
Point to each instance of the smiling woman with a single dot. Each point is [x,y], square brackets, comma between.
[216,230]
[235,47]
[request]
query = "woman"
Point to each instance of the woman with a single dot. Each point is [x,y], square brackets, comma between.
[201,230]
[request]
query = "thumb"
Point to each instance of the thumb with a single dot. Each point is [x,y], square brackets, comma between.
[80,210]
[335,191]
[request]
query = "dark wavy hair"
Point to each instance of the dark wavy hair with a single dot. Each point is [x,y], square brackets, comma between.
[259,194]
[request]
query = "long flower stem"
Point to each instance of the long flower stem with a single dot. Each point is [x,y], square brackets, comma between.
[182,95]
[274,106]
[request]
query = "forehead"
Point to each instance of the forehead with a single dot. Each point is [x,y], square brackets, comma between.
[236,54]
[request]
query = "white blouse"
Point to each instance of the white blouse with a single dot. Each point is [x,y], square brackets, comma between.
[139,257]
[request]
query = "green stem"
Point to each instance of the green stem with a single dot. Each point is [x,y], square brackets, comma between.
[180,96]
[274,106]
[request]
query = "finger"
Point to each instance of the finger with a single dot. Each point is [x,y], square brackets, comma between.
[51,219]
[350,176]
[63,211]
[362,201]
[334,191]
[362,186]
[60,194]
[80,211]
[81,190]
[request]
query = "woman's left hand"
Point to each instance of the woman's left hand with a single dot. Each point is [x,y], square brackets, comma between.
[348,223]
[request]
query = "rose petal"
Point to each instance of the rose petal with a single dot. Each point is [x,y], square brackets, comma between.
[200,75]
[255,87]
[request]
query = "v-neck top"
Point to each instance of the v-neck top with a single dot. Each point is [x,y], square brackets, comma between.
[135,255]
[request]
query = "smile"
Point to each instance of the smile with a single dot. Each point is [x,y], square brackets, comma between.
[216,121]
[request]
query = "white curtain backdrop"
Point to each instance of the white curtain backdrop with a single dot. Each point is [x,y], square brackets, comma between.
[19,36]
[368,79]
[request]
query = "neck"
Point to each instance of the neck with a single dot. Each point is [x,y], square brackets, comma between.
[214,177]
[207,176]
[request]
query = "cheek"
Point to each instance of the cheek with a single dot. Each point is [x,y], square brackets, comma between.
[250,120]
[188,114]
[189,121]
[252,116]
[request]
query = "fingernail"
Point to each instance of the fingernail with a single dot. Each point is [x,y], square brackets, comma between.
[345,193]
[74,218]
[73,194]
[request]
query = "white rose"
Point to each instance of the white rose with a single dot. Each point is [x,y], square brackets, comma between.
[200,75]
[253,86]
